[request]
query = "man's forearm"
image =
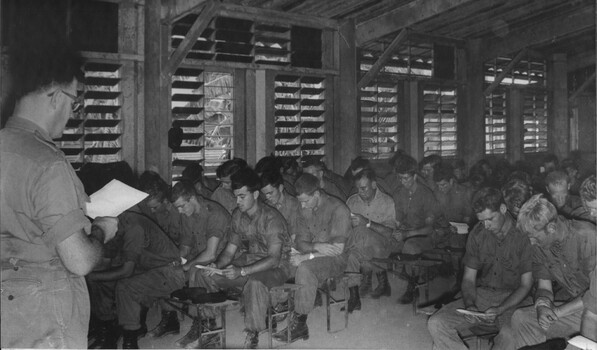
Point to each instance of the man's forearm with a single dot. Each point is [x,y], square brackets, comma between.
[574,305]
[223,260]
[264,264]
[515,298]
[469,294]
[109,275]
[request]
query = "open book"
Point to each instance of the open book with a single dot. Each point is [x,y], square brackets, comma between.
[461,228]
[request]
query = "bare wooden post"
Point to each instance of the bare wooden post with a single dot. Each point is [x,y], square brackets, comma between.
[474,134]
[515,125]
[558,124]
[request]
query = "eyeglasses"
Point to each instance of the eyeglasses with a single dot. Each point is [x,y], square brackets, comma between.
[78,102]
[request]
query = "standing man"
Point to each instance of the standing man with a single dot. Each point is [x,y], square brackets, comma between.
[564,252]
[261,244]
[322,249]
[497,274]
[48,245]
[373,218]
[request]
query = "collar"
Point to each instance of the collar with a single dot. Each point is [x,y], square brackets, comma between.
[506,227]
[323,197]
[29,126]
[257,212]
[281,201]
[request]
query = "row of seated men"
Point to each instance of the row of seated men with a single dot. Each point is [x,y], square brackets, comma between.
[264,228]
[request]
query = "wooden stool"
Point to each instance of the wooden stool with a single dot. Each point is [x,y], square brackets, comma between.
[331,301]
[215,308]
[289,289]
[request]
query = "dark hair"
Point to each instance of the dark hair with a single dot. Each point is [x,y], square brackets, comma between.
[550,158]
[183,189]
[314,161]
[245,177]
[515,193]
[306,184]
[569,163]
[273,178]
[267,164]
[444,172]
[288,163]
[433,159]
[359,163]
[405,164]
[231,166]
[487,198]
[193,173]
[37,65]
[152,183]
[365,173]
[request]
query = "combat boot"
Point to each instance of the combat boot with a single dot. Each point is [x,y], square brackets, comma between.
[365,287]
[298,329]
[168,325]
[129,339]
[383,286]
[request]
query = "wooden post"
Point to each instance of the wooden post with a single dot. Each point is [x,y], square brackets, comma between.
[558,124]
[244,114]
[474,134]
[157,99]
[515,125]
[346,139]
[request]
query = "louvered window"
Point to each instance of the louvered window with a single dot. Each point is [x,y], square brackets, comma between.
[535,121]
[94,134]
[379,120]
[495,122]
[410,59]
[440,114]
[203,107]
[299,115]
[252,42]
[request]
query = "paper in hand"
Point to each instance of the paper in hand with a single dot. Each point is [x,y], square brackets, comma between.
[461,228]
[583,343]
[211,269]
[113,199]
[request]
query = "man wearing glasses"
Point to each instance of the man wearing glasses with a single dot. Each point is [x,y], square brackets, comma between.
[48,244]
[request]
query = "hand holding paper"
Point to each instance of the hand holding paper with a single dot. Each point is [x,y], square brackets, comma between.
[113,199]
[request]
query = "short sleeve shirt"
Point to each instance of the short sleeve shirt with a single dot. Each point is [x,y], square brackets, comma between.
[500,262]
[225,198]
[253,235]
[381,209]
[412,209]
[169,219]
[331,188]
[570,261]
[456,204]
[212,220]
[290,208]
[41,197]
[144,242]
[329,222]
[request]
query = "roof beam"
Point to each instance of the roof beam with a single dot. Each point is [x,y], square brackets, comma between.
[385,56]
[209,11]
[278,17]
[581,60]
[541,33]
[505,72]
[590,80]
[173,10]
[402,17]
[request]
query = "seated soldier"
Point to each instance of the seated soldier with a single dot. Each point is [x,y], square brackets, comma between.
[269,164]
[416,212]
[256,257]
[158,207]
[570,166]
[373,218]
[194,174]
[516,192]
[356,166]
[497,274]
[148,255]
[588,194]
[290,171]
[563,252]
[330,182]
[274,191]
[568,205]
[321,249]
[428,166]
[206,229]
[459,168]
[454,204]
[223,194]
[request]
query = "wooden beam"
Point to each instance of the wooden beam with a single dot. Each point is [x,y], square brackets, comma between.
[436,39]
[505,72]
[209,11]
[385,56]
[558,123]
[402,17]
[548,31]
[581,60]
[276,17]
[173,10]
[590,80]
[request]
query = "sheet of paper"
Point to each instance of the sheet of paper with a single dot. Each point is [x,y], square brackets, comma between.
[113,199]
[461,228]
[214,270]
[583,343]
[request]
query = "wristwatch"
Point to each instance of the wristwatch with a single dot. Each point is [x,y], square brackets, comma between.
[368,225]
[243,272]
[311,256]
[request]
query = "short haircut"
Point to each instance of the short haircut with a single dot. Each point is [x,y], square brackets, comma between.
[152,183]
[487,198]
[273,178]
[267,164]
[245,177]
[550,158]
[433,159]
[405,164]
[365,173]
[314,161]
[183,189]
[229,167]
[569,163]
[37,65]
[587,189]
[306,184]
[520,175]
[458,164]
[360,163]
[516,192]
[444,172]
[535,214]
[557,178]
[288,163]
[193,173]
